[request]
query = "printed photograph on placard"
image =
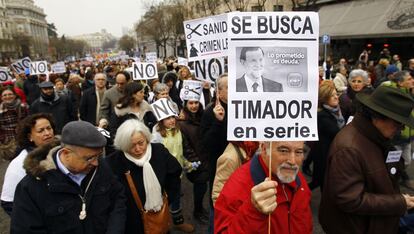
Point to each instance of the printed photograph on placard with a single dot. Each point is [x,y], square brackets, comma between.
[271,69]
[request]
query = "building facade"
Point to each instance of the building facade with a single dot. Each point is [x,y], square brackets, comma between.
[95,40]
[28,28]
[7,48]
[202,8]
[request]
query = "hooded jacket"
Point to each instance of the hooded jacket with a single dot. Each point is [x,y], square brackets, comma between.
[145,115]
[48,201]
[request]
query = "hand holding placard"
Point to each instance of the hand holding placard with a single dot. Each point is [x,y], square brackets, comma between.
[219,110]
[263,196]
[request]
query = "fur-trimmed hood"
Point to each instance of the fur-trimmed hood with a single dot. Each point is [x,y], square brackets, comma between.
[41,160]
[144,107]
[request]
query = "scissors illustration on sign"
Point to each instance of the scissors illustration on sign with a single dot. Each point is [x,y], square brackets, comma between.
[188,90]
[192,30]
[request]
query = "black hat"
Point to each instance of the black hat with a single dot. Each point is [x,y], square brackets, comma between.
[391,102]
[46,84]
[83,134]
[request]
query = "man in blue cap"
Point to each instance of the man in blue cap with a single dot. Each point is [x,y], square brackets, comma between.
[68,189]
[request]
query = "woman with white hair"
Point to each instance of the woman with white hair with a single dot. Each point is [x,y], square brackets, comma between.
[153,171]
[358,81]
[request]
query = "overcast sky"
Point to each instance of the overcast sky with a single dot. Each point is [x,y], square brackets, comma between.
[76,17]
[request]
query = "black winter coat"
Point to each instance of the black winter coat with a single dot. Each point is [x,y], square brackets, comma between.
[192,151]
[48,201]
[87,106]
[61,108]
[166,168]
[327,130]
[213,137]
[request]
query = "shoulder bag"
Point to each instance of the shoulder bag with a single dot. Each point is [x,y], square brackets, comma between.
[154,222]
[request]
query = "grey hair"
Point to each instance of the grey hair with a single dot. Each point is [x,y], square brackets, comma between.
[219,79]
[358,72]
[399,76]
[126,130]
[100,73]
[160,87]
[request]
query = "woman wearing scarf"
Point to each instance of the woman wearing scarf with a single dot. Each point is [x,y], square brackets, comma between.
[236,154]
[12,110]
[153,170]
[330,121]
[133,106]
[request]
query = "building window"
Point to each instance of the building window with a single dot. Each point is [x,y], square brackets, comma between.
[277,7]
[256,8]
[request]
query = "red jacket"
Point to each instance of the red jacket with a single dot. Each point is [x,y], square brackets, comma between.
[234,212]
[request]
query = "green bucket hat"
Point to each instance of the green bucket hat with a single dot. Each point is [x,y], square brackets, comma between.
[390,102]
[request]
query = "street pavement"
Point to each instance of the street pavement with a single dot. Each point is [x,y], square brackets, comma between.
[187,204]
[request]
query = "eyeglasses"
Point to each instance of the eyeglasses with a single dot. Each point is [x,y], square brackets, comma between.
[89,158]
[7,94]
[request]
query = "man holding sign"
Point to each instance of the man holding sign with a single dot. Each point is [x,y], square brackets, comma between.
[249,196]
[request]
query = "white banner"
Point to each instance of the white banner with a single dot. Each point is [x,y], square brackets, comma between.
[151,57]
[209,69]
[206,37]
[182,61]
[59,67]
[163,108]
[144,71]
[21,65]
[273,89]
[39,67]
[4,75]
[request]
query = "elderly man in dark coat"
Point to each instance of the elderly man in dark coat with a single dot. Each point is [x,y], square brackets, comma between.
[67,188]
[61,107]
[361,192]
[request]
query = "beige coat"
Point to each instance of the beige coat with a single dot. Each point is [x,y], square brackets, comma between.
[227,163]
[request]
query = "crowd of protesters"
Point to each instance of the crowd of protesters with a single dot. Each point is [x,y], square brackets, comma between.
[76,141]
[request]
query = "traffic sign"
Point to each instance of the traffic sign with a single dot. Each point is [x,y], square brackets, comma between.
[326,39]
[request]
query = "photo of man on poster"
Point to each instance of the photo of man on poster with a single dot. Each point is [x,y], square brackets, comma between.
[252,59]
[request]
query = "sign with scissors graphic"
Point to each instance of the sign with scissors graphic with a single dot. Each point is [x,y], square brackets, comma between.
[206,37]
[191,90]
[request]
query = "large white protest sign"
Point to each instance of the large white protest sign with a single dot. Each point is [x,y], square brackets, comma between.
[209,69]
[144,71]
[163,108]
[59,67]
[39,67]
[21,65]
[4,75]
[151,57]
[273,88]
[206,37]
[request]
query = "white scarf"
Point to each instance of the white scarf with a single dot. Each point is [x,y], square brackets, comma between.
[153,193]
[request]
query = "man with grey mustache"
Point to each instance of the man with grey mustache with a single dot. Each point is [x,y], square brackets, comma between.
[250,196]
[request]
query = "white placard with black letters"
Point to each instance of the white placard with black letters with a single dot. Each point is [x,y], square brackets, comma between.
[273,76]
